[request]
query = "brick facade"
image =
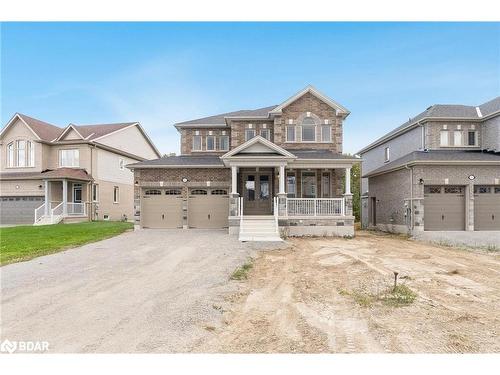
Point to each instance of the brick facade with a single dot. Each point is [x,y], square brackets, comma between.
[433,133]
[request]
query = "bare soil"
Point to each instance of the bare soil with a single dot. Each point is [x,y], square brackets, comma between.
[323,295]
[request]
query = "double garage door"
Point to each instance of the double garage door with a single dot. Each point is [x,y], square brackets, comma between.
[206,208]
[19,210]
[444,208]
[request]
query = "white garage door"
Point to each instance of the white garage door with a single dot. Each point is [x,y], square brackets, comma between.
[208,208]
[161,208]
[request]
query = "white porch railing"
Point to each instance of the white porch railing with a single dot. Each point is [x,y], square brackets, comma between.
[76,209]
[57,210]
[315,207]
[240,210]
[39,212]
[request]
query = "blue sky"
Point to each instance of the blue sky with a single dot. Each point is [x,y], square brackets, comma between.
[162,73]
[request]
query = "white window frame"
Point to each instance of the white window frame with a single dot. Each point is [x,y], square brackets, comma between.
[302,133]
[30,147]
[121,164]
[116,194]
[458,135]
[226,137]
[265,131]
[195,137]
[291,129]
[77,159]
[387,154]
[19,151]
[328,133]
[212,137]
[95,193]
[248,131]
[444,135]
[10,155]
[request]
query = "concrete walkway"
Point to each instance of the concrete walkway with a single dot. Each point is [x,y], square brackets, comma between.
[144,291]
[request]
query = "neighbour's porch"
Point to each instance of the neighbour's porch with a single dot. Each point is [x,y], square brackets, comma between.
[65,199]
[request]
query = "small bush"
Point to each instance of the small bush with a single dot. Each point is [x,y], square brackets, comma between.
[241,273]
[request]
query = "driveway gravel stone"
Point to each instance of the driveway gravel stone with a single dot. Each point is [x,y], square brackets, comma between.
[144,291]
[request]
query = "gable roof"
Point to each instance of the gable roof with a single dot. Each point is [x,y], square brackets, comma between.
[441,112]
[272,147]
[91,132]
[312,90]
[42,130]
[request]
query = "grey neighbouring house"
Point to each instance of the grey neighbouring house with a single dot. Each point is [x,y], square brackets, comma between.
[438,172]
[260,173]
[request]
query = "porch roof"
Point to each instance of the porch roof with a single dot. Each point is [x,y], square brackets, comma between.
[67,173]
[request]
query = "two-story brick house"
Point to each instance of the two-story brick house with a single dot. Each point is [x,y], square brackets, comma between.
[439,171]
[49,173]
[262,172]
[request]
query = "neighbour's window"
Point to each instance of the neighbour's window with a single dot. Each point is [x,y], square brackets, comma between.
[326,133]
[197,143]
[21,153]
[95,193]
[265,133]
[224,142]
[291,185]
[308,130]
[471,138]
[116,194]
[290,133]
[387,154]
[249,134]
[121,164]
[10,154]
[210,143]
[31,153]
[444,138]
[457,138]
[69,158]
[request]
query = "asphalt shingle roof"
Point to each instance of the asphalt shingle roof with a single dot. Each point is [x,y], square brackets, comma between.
[319,154]
[98,130]
[46,132]
[219,119]
[182,160]
[436,156]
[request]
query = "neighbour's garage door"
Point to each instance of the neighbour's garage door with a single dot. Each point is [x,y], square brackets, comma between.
[486,207]
[444,208]
[208,208]
[161,208]
[19,210]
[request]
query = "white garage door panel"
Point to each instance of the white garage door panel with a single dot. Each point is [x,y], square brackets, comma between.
[161,209]
[208,208]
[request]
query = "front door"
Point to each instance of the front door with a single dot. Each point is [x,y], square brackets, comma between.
[257,199]
[77,193]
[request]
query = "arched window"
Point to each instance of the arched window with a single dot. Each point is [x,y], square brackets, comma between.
[308,130]
[219,192]
[173,192]
[10,154]
[152,192]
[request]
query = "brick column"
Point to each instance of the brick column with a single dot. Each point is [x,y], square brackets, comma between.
[348,204]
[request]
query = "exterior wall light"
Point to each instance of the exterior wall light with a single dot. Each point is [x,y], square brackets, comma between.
[184,179]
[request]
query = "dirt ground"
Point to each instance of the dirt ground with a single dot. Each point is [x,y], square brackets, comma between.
[327,295]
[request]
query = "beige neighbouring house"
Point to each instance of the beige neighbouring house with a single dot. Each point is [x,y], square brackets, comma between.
[50,174]
[262,174]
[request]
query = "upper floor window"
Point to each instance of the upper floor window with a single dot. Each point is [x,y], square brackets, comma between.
[116,194]
[224,142]
[387,154]
[21,153]
[210,143]
[249,134]
[457,138]
[265,133]
[308,130]
[197,143]
[69,158]
[121,164]
[95,193]
[444,138]
[326,133]
[471,138]
[290,133]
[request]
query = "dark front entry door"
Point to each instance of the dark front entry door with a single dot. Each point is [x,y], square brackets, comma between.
[257,197]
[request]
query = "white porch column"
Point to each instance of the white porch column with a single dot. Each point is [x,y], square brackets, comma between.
[348,181]
[65,197]
[47,200]
[234,180]
[282,180]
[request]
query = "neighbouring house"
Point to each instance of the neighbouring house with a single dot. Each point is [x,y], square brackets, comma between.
[261,173]
[50,174]
[439,171]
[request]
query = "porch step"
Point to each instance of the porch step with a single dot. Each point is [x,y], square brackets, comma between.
[259,228]
[49,220]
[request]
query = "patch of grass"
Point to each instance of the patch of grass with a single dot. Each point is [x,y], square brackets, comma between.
[363,298]
[241,273]
[401,295]
[27,242]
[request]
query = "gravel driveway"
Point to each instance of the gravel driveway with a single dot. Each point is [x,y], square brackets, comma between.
[144,291]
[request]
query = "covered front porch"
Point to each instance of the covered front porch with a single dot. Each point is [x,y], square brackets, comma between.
[67,197]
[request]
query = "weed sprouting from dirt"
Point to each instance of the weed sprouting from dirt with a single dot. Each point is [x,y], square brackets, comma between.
[241,273]
[400,295]
[492,248]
